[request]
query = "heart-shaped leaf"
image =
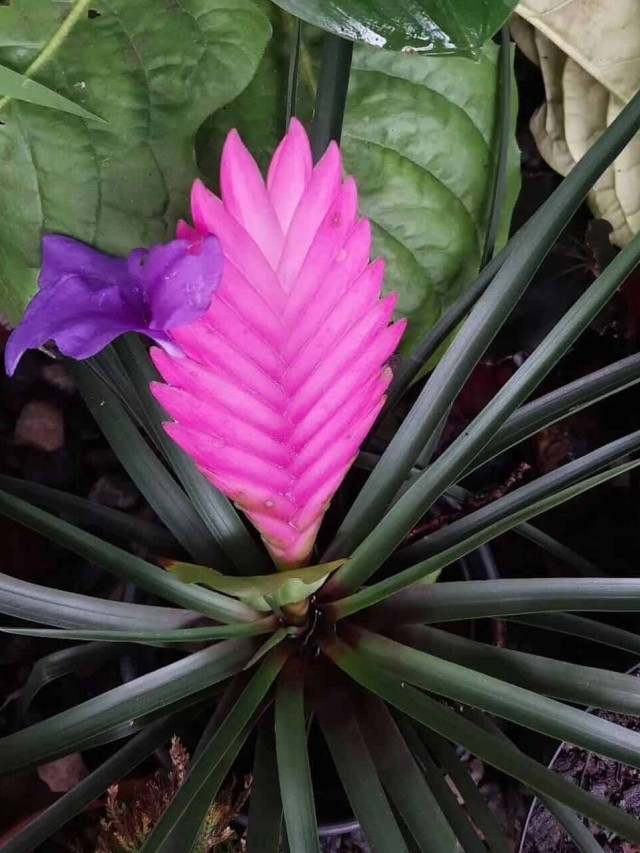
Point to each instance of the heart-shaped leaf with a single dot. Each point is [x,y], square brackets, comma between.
[426,26]
[153,71]
[281,588]
[418,137]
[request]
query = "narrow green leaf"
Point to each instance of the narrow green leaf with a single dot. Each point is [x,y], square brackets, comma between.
[14,85]
[214,509]
[528,249]
[123,564]
[50,606]
[525,496]
[158,690]
[159,488]
[580,685]
[111,522]
[513,597]
[61,663]
[153,636]
[294,70]
[544,411]
[498,697]
[588,629]
[282,588]
[331,94]
[466,834]
[494,750]
[413,799]
[474,802]
[351,756]
[294,772]
[502,134]
[180,824]
[93,786]
[381,590]
[265,803]
[414,362]
[274,640]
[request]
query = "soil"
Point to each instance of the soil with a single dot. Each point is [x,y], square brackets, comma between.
[606,779]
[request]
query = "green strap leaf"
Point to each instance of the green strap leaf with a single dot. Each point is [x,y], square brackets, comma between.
[125,565]
[179,826]
[88,721]
[513,597]
[282,588]
[413,798]
[50,606]
[111,522]
[265,803]
[294,773]
[61,663]
[466,834]
[474,802]
[155,637]
[498,697]
[528,249]
[580,685]
[157,485]
[93,786]
[357,771]
[494,750]
[383,589]
[216,511]
[588,629]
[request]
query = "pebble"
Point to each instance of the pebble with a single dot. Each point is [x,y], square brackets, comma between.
[56,375]
[115,491]
[40,425]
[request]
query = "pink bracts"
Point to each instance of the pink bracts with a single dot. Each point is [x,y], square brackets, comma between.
[284,375]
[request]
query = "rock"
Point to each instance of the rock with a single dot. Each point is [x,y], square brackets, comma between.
[56,375]
[115,491]
[64,773]
[40,425]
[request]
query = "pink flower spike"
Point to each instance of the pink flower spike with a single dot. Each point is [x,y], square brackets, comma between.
[277,385]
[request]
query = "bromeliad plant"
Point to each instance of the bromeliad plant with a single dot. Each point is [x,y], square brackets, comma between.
[273,358]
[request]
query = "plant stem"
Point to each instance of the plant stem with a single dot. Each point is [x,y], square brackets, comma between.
[331,97]
[54,44]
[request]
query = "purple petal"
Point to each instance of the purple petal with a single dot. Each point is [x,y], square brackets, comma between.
[62,256]
[80,318]
[87,299]
[179,279]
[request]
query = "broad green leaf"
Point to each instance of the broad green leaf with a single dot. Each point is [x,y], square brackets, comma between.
[417,26]
[20,87]
[153,71]
[281,588]
[418,137]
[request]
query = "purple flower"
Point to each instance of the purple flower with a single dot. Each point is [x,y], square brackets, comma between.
[86,299]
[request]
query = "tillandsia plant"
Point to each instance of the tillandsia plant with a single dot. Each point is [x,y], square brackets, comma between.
[274,361]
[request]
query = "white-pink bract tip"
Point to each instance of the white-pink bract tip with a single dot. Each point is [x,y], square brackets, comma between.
[280,381]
